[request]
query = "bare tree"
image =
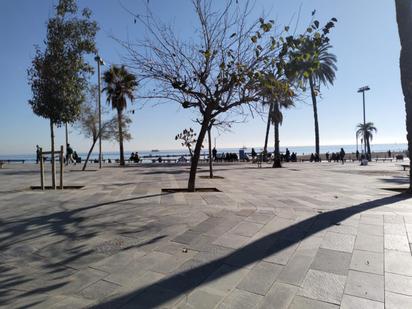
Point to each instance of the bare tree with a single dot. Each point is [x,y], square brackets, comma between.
[88,122]
[188,138]
[214,72]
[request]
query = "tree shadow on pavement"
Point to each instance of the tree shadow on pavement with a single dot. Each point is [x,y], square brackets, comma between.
[170,288]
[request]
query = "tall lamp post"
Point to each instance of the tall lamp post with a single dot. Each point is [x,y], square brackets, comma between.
[362,90]
[99,61]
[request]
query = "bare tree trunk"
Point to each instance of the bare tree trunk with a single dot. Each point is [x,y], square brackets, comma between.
[52,155]
[196,153]
[119,120]
[404,19]
[209,137]
[265,147]
[89,153]
[315,114]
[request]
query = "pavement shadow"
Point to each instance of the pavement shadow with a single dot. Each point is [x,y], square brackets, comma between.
[53,223]
[396,179]
[53,259]
[184,282]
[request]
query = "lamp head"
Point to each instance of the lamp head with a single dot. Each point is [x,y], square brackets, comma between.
[363,89]
[99,60]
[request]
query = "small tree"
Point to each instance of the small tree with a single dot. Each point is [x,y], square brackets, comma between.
[88,122]
[58,75]
[188,138]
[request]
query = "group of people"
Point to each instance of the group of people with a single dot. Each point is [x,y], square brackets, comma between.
[335,157]
[71,155]
[284,157]
[226,157]
[134,157]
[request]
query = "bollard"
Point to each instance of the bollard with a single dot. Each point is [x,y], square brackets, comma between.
[41,169]
[61,167]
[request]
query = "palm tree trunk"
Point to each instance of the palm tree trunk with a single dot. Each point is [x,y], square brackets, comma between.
[265,147]
[89,153]
[276,162]
[119,120]
[52,155]
[315,114]
[368,145]
[209,137]
[404,19]
[196,154]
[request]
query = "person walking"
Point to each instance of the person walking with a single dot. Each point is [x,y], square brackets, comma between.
[342,155]
[69,154]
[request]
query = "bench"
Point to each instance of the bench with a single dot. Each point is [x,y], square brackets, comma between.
[405,166]
[383,159]
[11,161]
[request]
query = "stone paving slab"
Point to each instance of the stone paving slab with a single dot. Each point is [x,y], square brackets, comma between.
[307,236]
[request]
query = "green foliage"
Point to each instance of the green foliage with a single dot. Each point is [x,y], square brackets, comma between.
[120,86]
[366,131]
[309,55]
[58,74]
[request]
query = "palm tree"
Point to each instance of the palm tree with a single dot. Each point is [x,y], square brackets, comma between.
[366,132]
[323,64]
[404,19]
[278,94]
[277,120]
[120,86]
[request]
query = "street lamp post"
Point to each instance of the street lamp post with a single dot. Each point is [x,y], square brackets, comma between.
[363,89]
[99,62]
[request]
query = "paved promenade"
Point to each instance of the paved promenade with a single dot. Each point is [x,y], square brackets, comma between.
[305,236]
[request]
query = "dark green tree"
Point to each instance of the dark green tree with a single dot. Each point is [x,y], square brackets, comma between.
[58,74]
[404,20]
[120,86]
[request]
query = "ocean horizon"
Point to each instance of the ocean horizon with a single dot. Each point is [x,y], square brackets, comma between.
[300,150]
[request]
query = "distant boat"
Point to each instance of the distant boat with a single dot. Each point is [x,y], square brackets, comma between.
[155,150]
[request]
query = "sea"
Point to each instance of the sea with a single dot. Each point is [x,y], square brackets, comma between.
[150,155]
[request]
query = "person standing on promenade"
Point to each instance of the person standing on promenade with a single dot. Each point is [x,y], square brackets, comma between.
[214,153]
[389,154]
[254,154]
[357,155]
[37,154]
[342,155]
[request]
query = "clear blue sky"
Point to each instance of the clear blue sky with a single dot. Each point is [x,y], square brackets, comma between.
[365,42]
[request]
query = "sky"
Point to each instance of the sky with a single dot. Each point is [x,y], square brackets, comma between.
[365,42]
